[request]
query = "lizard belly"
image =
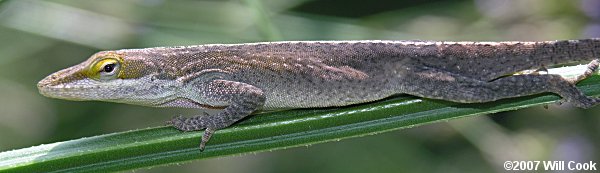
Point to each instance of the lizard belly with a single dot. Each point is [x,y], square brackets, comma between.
[306,92]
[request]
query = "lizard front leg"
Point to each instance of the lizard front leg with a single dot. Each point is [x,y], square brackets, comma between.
[240,99]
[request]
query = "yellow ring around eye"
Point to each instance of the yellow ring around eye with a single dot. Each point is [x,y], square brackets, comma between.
[97,67]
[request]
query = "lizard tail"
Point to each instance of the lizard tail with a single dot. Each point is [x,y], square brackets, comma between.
[566,51]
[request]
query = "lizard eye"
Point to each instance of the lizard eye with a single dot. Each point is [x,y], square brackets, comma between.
[105,69]
[108,68]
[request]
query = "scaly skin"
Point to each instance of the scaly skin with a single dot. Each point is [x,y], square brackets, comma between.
[243,78]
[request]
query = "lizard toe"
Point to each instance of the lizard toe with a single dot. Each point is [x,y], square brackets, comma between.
[190,124]
[206,137]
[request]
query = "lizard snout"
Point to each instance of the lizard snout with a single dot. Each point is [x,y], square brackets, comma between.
[60,81]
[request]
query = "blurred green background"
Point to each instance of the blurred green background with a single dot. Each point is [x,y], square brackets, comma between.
[40,37]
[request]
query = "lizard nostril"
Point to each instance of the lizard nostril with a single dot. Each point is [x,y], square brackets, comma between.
[47,81]
[43,83]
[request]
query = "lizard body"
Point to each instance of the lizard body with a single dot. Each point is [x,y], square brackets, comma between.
[243,78]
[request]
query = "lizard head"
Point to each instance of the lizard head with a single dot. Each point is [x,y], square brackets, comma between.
[106,76]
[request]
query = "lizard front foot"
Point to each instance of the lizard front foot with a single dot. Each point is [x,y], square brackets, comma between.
[242,100]
[194,123]
[190,124]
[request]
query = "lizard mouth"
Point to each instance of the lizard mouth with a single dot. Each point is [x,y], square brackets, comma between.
[60,91]
[76,91]
[54,86]
[67,84]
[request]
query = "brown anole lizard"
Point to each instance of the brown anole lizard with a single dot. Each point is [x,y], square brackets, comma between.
[244,78]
